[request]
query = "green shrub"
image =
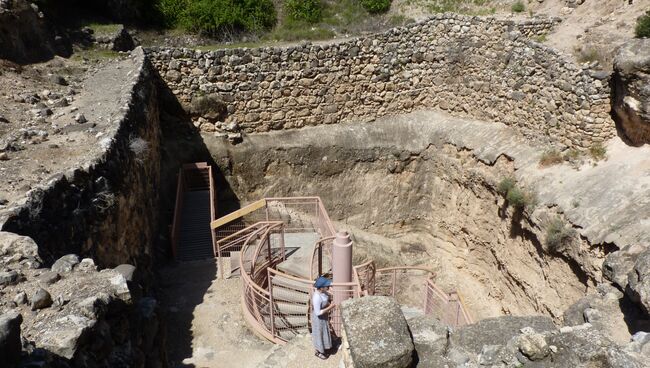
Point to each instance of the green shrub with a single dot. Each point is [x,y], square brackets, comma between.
[505,185]
[642,29]
[550,157]
[310,11]
[518,7]
[376,6]
[515,196]
[598,152]
[171,11]
[559,235]
[213,17]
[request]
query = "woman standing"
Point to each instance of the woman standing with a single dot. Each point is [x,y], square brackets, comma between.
[321,306]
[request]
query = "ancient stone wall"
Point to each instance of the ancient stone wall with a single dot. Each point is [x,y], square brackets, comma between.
[479,67]
[107,208]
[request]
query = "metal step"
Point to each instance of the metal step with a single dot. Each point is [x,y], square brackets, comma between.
[289,295]
[195,237]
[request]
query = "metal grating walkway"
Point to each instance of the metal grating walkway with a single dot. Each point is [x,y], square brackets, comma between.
[195,240]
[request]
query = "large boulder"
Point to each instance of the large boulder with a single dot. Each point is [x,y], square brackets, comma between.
[631,102]
[122,40]
[639,281]
[430,341]
[608,311]
[585,346]
[377,333]
[14,248]
[10,343]
[497,331]
[24,34]
[65,263]
[617,265]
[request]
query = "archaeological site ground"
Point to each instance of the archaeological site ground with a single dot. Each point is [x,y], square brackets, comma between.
[473,176]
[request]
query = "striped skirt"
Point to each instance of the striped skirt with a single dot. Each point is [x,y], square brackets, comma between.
[320,334]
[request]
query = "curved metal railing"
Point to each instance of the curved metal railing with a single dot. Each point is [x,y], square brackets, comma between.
[276,305]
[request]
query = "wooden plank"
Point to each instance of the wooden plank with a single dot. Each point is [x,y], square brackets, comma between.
[239,213]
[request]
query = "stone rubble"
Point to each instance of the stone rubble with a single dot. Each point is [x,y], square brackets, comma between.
[72,314]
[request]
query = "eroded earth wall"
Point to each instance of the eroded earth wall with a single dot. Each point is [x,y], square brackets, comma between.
[107,208]
[479,67]
[413,193]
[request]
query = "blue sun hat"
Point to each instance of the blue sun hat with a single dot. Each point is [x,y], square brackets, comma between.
[322,282]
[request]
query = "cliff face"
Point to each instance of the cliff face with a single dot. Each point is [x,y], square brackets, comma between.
[420,189]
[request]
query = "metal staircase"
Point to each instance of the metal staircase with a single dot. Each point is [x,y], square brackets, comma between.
[195,209]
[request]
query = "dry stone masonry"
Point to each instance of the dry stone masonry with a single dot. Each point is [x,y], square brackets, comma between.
[479,67]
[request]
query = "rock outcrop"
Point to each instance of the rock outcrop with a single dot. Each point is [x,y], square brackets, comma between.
[377,333]
[10,343]
[509,341]
[639,281]
[631,93]
[79,317]
[24,35]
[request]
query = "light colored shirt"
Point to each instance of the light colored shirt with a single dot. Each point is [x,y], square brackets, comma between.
[318,302]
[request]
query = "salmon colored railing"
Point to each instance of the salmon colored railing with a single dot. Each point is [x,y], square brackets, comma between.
[195,176]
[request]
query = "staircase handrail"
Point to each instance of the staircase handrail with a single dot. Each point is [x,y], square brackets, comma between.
[180,188]
[317,247]
[255,226]
[270,225]
[235,215]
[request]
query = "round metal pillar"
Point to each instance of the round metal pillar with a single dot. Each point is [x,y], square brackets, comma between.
[342,265]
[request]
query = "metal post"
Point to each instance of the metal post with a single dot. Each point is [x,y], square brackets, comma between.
[220,262]
[271,309]
[394,282]
[320,258]
[268,247]
[342,264]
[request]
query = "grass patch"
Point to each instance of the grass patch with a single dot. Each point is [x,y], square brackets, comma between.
[589,54]
[399,20]
[598,152]
[559,235]
[540,38]
[518,7]
[515,196]
[295,31]
[550,158]
[505,185]
[104,29]
[642,29]
[95,54]
[470,7]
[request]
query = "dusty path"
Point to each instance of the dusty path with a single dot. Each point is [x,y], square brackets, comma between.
[206,328]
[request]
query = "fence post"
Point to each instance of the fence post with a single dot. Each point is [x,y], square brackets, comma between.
[320,258]
[394,282]
[426,296]
[271,307]
[220,262]
[268,246]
